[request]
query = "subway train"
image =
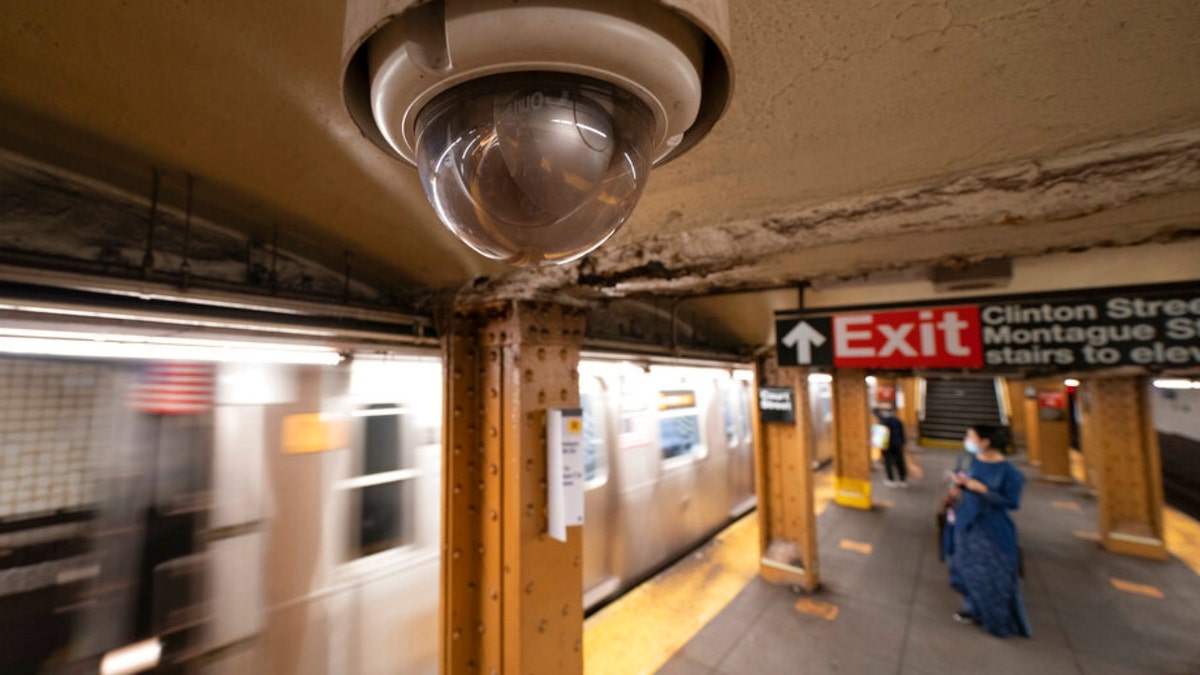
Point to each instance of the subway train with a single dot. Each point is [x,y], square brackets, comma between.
[249,517]
[264,515]
[668,460]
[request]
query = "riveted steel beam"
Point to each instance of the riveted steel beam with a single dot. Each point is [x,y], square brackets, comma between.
[784,482]
[1119,427]
[852,455]
[1054,433]
[512,598]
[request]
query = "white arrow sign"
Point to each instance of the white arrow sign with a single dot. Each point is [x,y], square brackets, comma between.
[803,337]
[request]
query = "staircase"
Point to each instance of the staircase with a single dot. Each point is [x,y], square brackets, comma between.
[953,404]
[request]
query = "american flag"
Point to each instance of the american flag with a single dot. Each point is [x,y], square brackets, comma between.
[167,388]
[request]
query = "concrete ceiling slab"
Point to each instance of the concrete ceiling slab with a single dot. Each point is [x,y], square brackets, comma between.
[835,105]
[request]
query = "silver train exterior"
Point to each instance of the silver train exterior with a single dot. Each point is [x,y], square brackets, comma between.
[669,459]
[291,524]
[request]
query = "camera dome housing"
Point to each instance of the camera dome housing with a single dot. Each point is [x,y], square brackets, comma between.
[534,124]
[533,168]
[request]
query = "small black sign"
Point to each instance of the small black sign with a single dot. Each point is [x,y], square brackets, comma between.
[775,404]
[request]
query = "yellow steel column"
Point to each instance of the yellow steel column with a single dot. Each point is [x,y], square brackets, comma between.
[852,423]
[784,482]
[512,598]
[1129,476]
[1053,431]
[1087,441]
[1014,394]
[1033,441]
[909,389]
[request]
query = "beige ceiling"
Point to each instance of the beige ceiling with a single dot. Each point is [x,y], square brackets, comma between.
[862,136]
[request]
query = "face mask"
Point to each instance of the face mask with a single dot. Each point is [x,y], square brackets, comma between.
[972,446]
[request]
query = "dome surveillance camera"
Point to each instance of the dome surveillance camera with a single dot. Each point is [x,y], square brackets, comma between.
[534,167]
[534,124]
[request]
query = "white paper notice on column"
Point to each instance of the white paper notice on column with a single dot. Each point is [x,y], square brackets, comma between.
[564,470]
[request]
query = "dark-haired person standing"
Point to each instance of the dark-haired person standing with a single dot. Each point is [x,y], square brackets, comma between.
[984,565]
[893,454]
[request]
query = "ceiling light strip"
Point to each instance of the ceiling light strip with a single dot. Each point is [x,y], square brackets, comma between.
[143,348]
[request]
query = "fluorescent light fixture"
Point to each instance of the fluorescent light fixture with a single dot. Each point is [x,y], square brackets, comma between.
[115,315]
[820,377]
[147,348]
[1177,384]
[135,658]
[1071,382]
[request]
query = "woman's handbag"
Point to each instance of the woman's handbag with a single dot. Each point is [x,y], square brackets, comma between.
[945,518]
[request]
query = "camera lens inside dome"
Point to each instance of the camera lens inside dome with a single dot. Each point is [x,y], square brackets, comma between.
[534,168]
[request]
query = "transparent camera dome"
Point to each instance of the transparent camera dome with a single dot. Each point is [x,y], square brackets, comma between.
[534,168]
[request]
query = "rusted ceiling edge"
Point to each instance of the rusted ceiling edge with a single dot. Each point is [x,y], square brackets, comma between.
[737,280]
[1074,184]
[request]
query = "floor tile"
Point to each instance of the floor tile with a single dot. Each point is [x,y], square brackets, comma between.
[681,665]
[895,604]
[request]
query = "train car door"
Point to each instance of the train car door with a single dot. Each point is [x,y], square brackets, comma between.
[599,496]
[739,444]
[820,396]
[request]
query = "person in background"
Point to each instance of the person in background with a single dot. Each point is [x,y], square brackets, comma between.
[893,452]
[985,560]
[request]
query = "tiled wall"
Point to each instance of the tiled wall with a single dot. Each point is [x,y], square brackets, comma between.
[54,418]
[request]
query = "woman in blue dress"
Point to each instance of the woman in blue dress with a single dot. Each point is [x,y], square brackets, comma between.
[985,561]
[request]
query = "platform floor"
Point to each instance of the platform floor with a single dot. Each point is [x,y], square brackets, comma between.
[886,607]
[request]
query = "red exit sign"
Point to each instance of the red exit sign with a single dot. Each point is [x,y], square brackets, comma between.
[1150,327]
[1052,399]
[936,337]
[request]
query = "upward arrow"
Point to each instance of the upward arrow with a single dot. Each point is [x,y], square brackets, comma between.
[803,337]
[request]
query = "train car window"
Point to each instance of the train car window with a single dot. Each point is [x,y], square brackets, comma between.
[595,440]
[679,424]
[382,495]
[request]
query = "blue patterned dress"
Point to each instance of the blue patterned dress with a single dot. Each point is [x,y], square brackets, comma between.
[985,560]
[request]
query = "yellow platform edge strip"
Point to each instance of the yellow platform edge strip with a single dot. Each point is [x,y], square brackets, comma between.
[1182,535]
[643,630]
[640,632]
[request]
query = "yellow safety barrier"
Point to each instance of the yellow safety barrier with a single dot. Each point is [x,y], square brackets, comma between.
[853,492]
